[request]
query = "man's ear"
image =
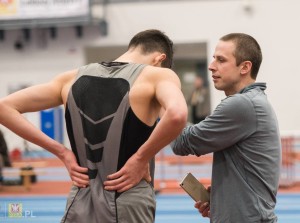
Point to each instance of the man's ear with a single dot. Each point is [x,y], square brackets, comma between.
[246,67]
[159,59]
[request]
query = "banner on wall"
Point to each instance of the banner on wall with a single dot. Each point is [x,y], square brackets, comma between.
[52,123]
[42,9]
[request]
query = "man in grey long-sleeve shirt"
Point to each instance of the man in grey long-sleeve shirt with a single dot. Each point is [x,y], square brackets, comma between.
[243,134]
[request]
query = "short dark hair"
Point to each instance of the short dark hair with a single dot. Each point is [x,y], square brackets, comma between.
[247,48]
[154,40]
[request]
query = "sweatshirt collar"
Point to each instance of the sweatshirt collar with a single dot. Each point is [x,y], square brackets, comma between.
[259,85]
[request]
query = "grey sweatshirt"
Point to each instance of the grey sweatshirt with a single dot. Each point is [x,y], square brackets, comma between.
[243,134]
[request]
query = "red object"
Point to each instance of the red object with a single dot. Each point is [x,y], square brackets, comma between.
[16,154]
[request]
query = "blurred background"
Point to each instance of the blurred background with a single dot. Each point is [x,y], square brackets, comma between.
[41,38]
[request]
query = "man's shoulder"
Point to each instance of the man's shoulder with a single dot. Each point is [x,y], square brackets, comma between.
[89,66]
[237,104]
[150,68]
[236,99]
[159,73]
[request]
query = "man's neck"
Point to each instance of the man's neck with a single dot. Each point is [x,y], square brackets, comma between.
[240,86]
[131,56]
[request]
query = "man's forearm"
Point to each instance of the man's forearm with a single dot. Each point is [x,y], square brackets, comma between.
[17,123]
[180,145]
[168,128]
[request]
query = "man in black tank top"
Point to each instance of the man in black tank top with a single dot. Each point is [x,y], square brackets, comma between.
[111,114]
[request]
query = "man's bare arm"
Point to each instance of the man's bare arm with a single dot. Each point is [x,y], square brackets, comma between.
[170,97]
[38,98]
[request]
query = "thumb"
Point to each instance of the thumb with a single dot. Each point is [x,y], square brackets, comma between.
[147,175]
[148,178]
[208,188]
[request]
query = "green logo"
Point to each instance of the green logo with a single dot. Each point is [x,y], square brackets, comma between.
[15,210]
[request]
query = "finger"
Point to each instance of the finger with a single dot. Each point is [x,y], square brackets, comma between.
[125,188]
[115,175]
[80,169]
[208,188]
[114,182]
[197,204]
[79,175]
[121,186]
[125,185]
[77,168]
[205,213]
[80,181]
[203,206]
[78,184]
[116,185]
